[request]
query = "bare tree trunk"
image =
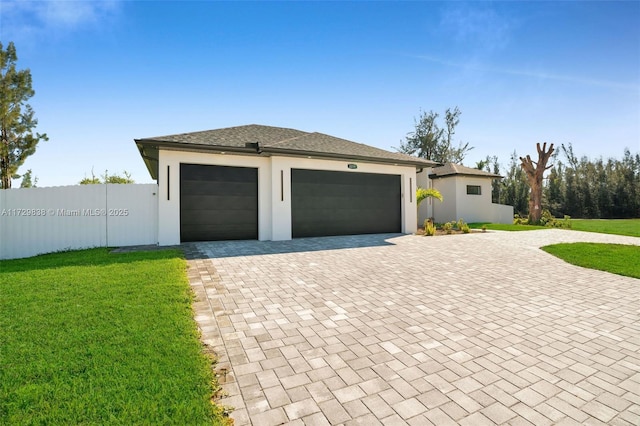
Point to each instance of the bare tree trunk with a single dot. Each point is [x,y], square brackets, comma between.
[535,172]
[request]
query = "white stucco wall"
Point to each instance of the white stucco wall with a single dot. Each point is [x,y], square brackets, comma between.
[274,189]
[425,209]
[446,210]
[458,204]
[473,208]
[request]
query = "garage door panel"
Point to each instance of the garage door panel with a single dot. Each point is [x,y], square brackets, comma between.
[209,202]
[218,203]
[199,172]
[231,217]
[215,233]
[206,187]
[344,203]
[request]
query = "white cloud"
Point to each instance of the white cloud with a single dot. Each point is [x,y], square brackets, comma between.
[476,25]
[532,74]
[24,20]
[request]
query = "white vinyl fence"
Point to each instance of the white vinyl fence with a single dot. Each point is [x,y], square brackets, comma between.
[44,220]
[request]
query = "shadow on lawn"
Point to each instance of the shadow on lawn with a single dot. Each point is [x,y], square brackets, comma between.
[96,257]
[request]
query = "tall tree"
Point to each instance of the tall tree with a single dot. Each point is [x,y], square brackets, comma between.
[535,174]
[454,155]
[17,122]
[28,181]
[515,189]
[107,178]
[432,142]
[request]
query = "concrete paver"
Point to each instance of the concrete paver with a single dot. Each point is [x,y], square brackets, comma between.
[472,329]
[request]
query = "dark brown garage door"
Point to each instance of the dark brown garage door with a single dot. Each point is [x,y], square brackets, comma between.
[218,203]
[341,203]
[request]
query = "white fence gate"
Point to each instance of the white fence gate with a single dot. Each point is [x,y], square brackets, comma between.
[44,220]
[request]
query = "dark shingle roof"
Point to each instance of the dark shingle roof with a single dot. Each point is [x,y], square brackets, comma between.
[232,136]
[273,141]
[451,169]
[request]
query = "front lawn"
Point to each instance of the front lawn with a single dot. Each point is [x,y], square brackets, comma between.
[504,226]
[615,258]
[89,337]
[629,227]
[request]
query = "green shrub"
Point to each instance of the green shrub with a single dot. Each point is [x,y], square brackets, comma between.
[465,229]
[448,227]
[429,228]
[549,221]
[517,220]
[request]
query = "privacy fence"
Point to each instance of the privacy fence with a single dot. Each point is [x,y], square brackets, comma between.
[44,220]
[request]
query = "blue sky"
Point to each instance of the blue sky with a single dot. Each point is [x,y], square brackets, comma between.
[521,72]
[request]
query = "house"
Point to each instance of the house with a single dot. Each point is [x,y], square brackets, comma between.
[466,194]
[272,183]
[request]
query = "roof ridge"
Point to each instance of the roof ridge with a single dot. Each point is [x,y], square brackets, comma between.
[290,139]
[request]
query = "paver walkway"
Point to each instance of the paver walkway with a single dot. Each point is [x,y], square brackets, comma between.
[386,329]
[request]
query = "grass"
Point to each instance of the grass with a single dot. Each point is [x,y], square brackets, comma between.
[89,337]
[615,258]
[629,227]
[504,226]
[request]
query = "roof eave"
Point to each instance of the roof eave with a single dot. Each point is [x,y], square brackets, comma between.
[144,144]
[435,176]
[335,156]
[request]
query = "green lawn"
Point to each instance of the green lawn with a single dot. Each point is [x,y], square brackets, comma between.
[629,227]
[615,258]
[504,226]
[89,337]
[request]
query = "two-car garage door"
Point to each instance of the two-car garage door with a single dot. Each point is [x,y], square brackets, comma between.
[221,203]
[343,203]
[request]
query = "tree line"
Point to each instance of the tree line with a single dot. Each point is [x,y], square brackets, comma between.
[577,187]
[572,186]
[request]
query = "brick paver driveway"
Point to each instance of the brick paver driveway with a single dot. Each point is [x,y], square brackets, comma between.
[386,329]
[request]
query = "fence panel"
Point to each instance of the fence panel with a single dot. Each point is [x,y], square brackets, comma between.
[43,220]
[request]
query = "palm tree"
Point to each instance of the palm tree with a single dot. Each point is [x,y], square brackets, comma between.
[422,194]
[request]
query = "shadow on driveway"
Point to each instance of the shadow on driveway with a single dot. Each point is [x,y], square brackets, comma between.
[222,249]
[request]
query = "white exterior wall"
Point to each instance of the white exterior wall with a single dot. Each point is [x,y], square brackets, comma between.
[501,214]
[43,220]
[274,189]
[473,208]
[479,208]
[458,204]
[425,209]
[446,210]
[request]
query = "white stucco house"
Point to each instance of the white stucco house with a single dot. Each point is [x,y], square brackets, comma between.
[272,183]
[466,194]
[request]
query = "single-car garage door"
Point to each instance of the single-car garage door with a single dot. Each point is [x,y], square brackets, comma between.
[218,203]
[343,203]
